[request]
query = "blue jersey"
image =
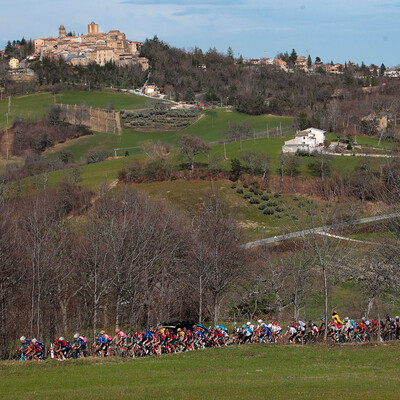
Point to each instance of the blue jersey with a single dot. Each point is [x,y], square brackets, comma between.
[101,340]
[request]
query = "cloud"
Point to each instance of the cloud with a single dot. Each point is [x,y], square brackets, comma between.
[192,11]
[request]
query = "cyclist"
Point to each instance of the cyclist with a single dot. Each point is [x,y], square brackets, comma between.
[268,332]
[397,325]
[119,337]
[25,344]
[301,328]
[361,328]
[276,330]
[335,318]
[100,345]
[36,350]
[322,327]
[292,332]
[314,328]
[61,348]
[79,345]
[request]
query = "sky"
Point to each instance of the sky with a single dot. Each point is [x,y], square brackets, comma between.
[334,30]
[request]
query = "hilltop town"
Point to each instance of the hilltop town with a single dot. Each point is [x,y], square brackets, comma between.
[96,47]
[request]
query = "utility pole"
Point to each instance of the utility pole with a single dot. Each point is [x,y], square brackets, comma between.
[8,143]
[355,134]
[9,104]
[225,150]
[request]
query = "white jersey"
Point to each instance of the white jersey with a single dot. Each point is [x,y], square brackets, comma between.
[302,326]
[292,330]
[276,328]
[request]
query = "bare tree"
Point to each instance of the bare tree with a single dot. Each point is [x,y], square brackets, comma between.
[222,252]
[192,146]
[325,238]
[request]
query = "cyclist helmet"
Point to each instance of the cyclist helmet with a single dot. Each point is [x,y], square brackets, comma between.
[363,319]
[117,330]
[76,335]
[259,321]
[61,338]
[397,317]
[270,326]
[248,323]
[102,332]
[56,339]
[346,319]
[34,340]
[22,338]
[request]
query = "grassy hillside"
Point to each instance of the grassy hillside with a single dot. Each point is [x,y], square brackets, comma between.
[35,106]
[211,126]
[250,371]
[100,99]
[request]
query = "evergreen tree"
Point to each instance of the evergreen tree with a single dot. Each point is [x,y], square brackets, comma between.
[230,53]
[293,56]
[309,61]
[9,48]
[189,95]
[382,69]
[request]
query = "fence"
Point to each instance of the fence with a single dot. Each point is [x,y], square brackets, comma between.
[268,133]
[95,119]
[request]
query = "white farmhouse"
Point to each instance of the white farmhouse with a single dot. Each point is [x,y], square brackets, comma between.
[309,140]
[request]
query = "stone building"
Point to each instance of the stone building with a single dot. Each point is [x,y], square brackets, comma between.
[94,47]
[62,32]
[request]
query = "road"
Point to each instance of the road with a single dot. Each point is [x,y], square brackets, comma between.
[322,229]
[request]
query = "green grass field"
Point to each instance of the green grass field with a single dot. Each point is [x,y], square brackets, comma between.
[250,371]
[189,196]
[210,127]
[100,99]
[35,106]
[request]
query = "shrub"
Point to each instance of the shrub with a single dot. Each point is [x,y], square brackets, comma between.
[272,204]
[301,204]
[349,147]
[251,189]
[240,190]
[254,200]
[95,156]
[277,216]
[245,185]
[265,197]
[247,195]
[262,206]
[258,192]
[279,209]
[269,211]
[276,195]
[295,198]
[233,186]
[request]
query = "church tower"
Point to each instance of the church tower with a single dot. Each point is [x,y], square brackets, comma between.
[62,32]
[93,29]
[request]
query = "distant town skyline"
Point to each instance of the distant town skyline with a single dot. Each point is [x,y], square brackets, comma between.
[339,31]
